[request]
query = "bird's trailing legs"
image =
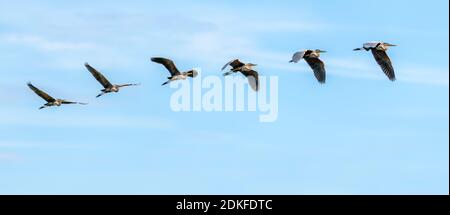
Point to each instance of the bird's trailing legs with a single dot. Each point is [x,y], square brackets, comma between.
[166,82]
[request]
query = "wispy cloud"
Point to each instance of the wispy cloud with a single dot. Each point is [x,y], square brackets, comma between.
[44,44]
[424,75]
[22,118]
[35,144]
[210,39]
[10,157]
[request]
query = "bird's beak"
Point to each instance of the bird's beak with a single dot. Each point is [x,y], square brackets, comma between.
[388,44]
[321,51]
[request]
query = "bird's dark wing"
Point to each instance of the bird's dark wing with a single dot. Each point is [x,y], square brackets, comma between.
[253,79]
[234,63]
[318,67]
[97,75]
[41,93]
[168,64]
[385,63]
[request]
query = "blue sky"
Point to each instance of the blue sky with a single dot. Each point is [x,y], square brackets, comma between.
[358,134]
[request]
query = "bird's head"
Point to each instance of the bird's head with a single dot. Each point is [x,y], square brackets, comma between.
[389,45]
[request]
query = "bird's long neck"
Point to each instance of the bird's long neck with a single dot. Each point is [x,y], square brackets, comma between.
[248,66]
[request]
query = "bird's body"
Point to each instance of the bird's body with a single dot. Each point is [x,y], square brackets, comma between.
[378,50]
[50,100]
[176,75]
[108,87]
[246,70]
[312,58]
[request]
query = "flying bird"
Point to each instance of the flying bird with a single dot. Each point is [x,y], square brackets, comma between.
[246,70]
[108,87]
[312,58]
[379,53]
[50,100]
[174,72]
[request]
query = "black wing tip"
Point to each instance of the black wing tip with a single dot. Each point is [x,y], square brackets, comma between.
[30,85]
[88,66]
[157,59]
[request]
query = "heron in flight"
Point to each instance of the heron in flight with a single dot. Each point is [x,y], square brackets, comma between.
[379,53]
[246,70]
[50,100]
[108,87]
[174,72]
[312,58]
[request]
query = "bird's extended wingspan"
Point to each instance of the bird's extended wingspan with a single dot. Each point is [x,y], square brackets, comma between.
[168,64]
[318,67]
[253,79]
[385,63]
[234,63]
[98,76]
[41,93]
